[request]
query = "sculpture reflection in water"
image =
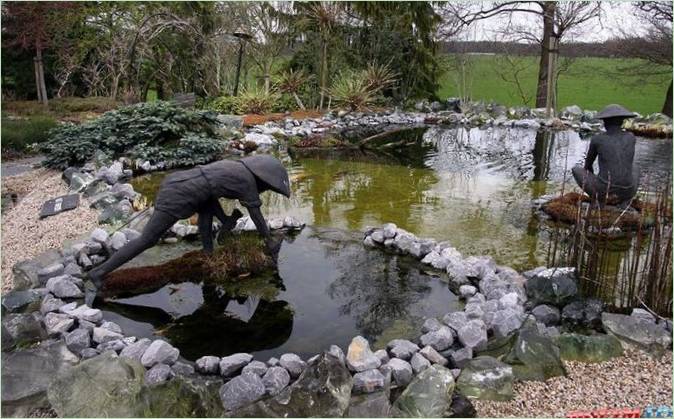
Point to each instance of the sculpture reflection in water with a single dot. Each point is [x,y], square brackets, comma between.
[230,320]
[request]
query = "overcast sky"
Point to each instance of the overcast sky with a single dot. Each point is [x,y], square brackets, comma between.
[615,15]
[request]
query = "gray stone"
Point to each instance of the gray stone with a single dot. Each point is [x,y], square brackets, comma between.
[473,311]
[643,314]
[111,326]
[389,230]
[116,345]
[101,335]
[87,313]
[231,365]
[486,378]
[17,301]
[301,399]
[103,386]
[88,353]
[63,287]
[275,379]
[583,314]
[182,368]
[208,364]
[273,362]
[546,314]
[433,356]
[73,269]
[293,364]
[159,352]
[100,236]
[460,357]
[382,355]
[24,329]
[456,320]
[402,348]
[255,367]
[58,324]
[359,357]
[136,350]
[377,236]
[509,300]
[79,181]
[440,339]
[401,371]
[158,374]
[506,322]
[556,286]
[428,395]
[50,271]
[368,381]
[637,331]
[241,391]
[25,275]
[467,291]
[430,325]
[78,340]
[419,363]
[473,335]
[68,308]
[118,240]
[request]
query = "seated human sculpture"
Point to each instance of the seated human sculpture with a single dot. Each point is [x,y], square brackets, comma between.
[197,190]
[617,180]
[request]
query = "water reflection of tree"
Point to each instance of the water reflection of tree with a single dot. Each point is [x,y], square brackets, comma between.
[377,289]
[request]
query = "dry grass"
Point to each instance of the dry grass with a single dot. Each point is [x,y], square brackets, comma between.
[24,235]
[566,209]
[631,381]
[237,257]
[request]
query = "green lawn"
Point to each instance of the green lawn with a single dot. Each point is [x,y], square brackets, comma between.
[590,83]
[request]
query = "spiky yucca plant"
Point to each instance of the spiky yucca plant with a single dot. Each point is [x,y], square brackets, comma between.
[291,82]
[380,76]
[352,90]
[256,101]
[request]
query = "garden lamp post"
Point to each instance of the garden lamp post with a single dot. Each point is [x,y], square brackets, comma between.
[242,37]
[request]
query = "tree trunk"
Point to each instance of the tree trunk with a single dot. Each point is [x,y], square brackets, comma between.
[37,80]
[549,9]
[299,101]
[324,71]
[667,107]
[40,69]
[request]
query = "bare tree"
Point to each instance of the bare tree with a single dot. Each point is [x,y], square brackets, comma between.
[555,20]
[653,44]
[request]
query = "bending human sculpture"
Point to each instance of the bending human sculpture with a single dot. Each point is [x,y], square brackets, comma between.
[197,190]
[617,180]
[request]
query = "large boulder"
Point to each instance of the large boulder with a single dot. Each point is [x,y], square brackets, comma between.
[372,405]
[428,395]
[556,286]
[486,378]
[103,386]
[583,314]
[26,375]
[323,389]
[241,391]
[534,357]
[637,331]
[21,301]
[182,397]
[24,329]
[592,348]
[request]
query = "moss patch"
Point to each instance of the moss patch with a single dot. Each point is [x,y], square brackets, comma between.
[237,258]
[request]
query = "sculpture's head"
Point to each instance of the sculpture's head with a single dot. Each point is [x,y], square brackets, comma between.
[269,173]
[614,115]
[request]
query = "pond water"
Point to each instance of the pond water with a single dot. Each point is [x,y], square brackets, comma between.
[472,188]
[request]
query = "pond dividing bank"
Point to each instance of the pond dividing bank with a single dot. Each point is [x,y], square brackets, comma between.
[411,314]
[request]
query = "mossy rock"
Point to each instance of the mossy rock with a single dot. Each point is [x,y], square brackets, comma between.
[588,348]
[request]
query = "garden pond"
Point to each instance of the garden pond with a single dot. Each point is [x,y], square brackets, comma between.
[471,187]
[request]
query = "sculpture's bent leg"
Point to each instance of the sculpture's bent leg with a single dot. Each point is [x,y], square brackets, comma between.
[158,224]
[589,183]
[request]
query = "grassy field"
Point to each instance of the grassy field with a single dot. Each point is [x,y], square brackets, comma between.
[590,83]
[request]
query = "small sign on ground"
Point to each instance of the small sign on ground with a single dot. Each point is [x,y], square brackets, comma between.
[60,204]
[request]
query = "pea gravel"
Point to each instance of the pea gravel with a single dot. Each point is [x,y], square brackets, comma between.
[24,235]
[634,380]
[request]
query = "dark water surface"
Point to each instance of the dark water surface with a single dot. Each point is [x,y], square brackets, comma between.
[472,188]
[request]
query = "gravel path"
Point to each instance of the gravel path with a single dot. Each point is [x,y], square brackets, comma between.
[631,381]
[24,235]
